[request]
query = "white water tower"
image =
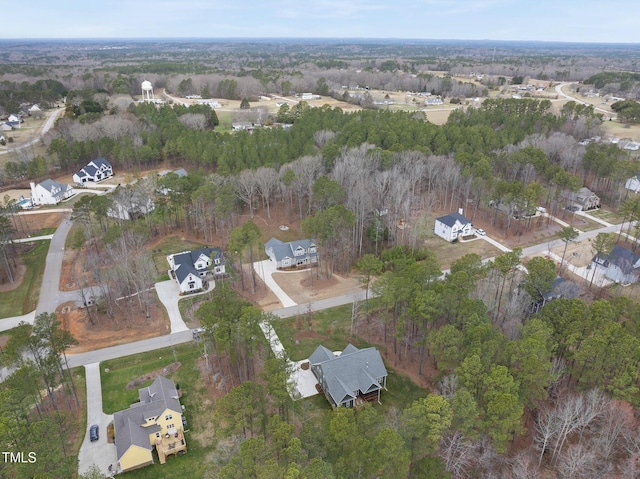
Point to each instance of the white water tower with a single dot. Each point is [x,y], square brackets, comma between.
[147,91]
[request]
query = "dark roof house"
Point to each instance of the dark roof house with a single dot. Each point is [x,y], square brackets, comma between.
[96,170]
[621,265]
[452,226]
[353,376]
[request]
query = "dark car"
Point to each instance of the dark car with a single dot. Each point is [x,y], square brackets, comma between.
[573,208]
[93,433]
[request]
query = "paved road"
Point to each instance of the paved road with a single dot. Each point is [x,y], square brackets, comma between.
[48,124]
[560,92]
[49,292]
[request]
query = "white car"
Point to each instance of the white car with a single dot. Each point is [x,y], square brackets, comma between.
[480,232]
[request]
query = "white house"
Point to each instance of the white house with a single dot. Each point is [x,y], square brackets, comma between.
[50,192]
[633,184]
[129,204]
[295,254]
[96,170]
[452,226]
[190,268]
[621,265]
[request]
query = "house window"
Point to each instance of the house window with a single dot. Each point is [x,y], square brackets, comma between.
[157,434]
[168,417]
[192,284]
[171,426]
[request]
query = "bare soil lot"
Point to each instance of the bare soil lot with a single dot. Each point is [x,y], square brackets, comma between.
[304,286]
[106,331]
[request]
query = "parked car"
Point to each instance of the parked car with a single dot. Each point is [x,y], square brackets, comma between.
[573,208]
[541,209]
[480,232]
[184,422]
[93,433]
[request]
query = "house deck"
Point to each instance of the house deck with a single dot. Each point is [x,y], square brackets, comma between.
[168,446]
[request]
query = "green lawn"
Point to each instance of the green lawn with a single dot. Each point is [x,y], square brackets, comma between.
[334,326]
[170,245]
[608,216]
[24,298]
[198,412]
[79,379]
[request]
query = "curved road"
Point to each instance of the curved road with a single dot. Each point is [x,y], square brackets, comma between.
[560,92]
[48,124]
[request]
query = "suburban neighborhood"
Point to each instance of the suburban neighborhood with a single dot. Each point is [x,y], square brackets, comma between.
[310,259]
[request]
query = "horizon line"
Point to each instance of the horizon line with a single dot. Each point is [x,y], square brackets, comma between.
[355,39]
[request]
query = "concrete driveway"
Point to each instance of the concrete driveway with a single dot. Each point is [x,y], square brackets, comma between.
[169,294]
[265,270]
[101,453]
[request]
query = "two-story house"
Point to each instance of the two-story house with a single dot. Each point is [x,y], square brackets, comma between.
[452,226]
[154,421]
[295,254]
[96,170]
[621,265]
[584,199]
[50,192]
[352,376]
[190,268]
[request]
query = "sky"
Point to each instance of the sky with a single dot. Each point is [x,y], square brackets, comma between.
[614,21]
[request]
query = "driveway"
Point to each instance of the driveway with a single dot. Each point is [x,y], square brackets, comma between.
[101,453]
[10,323]
[265,270]
[169,294]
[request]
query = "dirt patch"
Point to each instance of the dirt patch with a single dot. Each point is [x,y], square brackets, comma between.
[106,331]
[306,286]
[28,224]
[21,269]
[171,368]
[3,342]
[408,364]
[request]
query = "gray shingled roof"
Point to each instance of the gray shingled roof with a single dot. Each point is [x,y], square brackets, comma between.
[154,399]
[184,262]
[623,259]
[50,185]
[451,219]
[355,369]
[285,250]
[320,355]
[92,167]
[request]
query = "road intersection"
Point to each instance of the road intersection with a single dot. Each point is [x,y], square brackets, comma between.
[102,453]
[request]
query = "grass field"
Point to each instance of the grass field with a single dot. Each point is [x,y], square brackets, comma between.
[608,216]
[24,298]
[170,245]
[332,329]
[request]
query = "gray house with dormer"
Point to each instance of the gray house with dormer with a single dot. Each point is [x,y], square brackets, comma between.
[621,265]
[295,254]
[50,192]
[350,377]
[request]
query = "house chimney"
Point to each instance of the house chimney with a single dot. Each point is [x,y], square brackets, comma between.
[460,211]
